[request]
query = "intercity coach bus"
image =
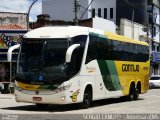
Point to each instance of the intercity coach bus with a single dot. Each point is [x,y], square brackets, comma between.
[73,64]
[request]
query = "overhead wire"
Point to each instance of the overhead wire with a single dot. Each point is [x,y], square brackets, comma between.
[86,9]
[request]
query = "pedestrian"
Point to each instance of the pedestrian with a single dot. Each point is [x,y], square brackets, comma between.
[2,72]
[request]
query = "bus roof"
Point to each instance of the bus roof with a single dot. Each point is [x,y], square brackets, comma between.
[60,32]
[71,31]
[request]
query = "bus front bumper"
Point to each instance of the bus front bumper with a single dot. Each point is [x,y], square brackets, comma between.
[58,98]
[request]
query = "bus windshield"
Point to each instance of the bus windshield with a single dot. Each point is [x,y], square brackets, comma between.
[42,61]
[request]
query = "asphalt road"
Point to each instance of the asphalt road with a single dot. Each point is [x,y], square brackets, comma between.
[148,104]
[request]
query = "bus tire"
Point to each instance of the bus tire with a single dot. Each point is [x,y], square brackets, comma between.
[131,95]
[87,98]
[136,94]
[137,91]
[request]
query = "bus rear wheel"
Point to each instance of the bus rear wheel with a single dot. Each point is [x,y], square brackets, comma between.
[137,92]
[87,99]
[132,93]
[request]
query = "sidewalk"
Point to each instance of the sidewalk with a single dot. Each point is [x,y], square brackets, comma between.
[7,96]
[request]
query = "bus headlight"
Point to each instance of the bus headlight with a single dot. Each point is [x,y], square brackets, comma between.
[63,98]
[63,88]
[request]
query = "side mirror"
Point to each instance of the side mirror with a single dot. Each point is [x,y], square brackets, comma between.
[9,53]
[70,51]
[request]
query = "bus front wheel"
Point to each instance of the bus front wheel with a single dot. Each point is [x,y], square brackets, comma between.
[87,98]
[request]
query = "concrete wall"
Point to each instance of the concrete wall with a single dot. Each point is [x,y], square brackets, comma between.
[106,25]
[131,30]
[13,18]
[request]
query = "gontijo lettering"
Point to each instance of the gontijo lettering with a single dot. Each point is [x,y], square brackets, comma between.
[130,68]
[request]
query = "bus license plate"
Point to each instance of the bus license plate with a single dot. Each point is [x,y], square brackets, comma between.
[37,99]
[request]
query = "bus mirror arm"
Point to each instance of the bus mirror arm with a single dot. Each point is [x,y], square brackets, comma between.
[70,51]
[9,53]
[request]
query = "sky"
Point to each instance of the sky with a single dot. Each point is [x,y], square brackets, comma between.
[22,6]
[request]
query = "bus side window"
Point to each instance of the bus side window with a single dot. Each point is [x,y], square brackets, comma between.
[103,49]
[92,52]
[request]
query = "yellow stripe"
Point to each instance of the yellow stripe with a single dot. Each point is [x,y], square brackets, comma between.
[123,38]
[27,86]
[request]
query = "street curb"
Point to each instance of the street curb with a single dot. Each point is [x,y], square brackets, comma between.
[6,96]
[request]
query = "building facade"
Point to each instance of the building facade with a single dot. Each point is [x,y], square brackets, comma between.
[105,9]
[12,28]
[154,23]
[9,38]
[64,9]
[134,10]
[13,18]
[112,10]
[132,30]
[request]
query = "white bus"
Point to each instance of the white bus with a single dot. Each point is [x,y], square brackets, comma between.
[64,65]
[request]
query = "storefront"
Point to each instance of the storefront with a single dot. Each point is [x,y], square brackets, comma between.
[155,63]
[8,38]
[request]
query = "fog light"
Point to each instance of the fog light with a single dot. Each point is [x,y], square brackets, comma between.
[63,98]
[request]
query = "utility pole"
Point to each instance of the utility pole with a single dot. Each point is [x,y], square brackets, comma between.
[76,11]
[133,24]
[34,1]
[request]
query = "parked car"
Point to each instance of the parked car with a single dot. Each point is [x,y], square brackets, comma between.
[154,81]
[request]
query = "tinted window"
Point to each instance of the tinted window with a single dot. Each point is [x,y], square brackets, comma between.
[129,52]
[92,52]
[155,78]
[105,49]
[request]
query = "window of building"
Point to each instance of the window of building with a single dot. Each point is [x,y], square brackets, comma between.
[158,48]
[99,12]
[93,13]
[111,13]
[153,47]
[154,31]
[105,13]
